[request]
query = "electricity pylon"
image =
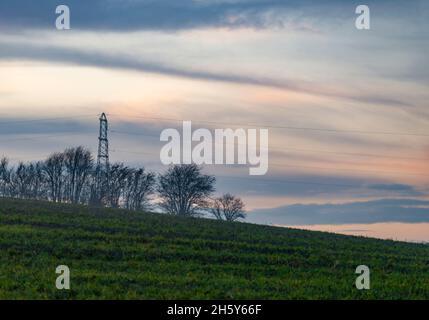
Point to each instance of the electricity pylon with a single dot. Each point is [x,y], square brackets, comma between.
[101,185]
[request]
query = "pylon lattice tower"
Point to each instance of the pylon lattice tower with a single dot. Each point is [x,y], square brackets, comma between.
[102,169]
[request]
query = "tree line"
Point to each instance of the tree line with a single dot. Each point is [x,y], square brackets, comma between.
[71,177]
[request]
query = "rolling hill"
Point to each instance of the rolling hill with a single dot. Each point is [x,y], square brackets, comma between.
[119,254]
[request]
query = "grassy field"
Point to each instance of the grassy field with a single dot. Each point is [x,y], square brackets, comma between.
[120,254]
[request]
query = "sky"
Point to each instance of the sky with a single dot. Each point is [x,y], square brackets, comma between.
[346,108]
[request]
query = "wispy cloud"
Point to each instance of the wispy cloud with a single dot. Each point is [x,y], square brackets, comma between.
[13,51]
[397,187]
[170,15]
[385,210]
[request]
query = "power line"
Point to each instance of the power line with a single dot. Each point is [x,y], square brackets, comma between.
[47,119]
[261,125]
[281,148]
[273,164]
[143,134]
[44,136]
[302,166]
[133,133]
[265,125]
[133,152]
[355,154]
[258,179]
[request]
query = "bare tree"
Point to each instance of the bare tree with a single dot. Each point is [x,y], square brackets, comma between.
[78,164]
[54,169]
[184,190]
[118,176]
[139,189]
[20,181]
[37,181]
[228,207]
[5,176]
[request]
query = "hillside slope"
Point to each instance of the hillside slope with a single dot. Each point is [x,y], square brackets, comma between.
[120,254]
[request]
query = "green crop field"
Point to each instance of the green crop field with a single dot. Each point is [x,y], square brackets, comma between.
[134,255]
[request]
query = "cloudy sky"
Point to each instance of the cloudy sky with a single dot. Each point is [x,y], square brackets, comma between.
[347,109]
